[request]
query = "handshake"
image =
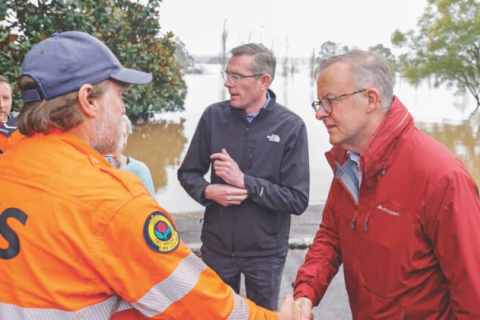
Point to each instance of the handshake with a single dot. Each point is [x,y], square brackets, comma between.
[300,309]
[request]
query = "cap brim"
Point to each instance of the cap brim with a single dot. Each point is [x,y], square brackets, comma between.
[132,76]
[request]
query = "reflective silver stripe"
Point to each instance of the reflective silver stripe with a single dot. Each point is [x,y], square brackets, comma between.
[346,175]
[102,310]
[240,308]
[173,288]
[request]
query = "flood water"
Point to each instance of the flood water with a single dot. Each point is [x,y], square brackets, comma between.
[162,144]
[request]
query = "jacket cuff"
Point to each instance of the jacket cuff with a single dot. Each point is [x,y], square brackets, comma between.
[249,184]
[204,201]
[304,290]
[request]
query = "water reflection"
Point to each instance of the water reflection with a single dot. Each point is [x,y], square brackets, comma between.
[461,139]
[160,145]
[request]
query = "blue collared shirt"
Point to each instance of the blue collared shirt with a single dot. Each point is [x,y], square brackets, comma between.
[355,157]
[250,116]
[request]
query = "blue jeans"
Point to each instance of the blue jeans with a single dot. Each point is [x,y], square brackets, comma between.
[263,275]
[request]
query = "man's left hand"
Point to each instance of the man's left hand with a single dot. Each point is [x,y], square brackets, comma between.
[227,169]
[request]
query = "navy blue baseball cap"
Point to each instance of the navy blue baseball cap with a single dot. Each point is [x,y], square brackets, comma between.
[66,61]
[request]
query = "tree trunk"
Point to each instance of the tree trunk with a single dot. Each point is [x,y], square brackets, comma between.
[476,109]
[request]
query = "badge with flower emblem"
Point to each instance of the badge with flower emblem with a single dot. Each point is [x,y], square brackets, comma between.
[160,233]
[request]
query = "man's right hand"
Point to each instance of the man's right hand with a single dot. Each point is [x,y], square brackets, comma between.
[306,306]
[289,309]
[225,195]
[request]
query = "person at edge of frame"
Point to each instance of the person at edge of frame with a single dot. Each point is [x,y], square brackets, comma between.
[9,134]
[402,214]
[86,240]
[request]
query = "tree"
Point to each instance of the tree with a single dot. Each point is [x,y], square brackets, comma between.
[285,59]
[223,56]
[329,48]
[312,64]
[446,46]
[385,52]
[182,55]
[130,28]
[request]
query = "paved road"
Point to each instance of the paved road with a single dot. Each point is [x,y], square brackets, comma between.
[334,305]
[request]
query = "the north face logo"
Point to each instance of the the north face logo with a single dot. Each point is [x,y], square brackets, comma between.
[273,137]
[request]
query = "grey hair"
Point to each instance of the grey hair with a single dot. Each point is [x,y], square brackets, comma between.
[129,124]
[264,61]
[369,71]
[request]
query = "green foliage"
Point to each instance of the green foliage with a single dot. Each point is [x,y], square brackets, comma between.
[182,55]
[446,46]
[330,48]
[130,28]
[385,52]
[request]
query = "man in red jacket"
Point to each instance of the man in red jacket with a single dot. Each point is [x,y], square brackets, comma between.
[402,215]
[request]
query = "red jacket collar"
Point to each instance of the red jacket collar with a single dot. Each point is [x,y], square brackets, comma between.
[380,148]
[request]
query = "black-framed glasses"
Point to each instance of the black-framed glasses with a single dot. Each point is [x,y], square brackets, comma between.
[235,78]
[326,103]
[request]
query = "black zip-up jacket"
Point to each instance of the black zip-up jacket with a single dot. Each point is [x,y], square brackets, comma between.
[272,152]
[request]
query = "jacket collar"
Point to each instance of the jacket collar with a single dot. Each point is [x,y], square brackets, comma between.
[270,106]
[272,101]
[57,138]
[8,127]
[380,150]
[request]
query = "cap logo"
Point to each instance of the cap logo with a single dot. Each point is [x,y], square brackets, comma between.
[160,233]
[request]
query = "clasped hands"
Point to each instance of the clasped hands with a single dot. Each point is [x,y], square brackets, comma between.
[227,169]
[299,309]
[234,193]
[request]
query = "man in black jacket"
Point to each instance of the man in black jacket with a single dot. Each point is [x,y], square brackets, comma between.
[258,153]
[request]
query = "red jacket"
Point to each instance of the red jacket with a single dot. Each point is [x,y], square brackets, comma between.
[411,246]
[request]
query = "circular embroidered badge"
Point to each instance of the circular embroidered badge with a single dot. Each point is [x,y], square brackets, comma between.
[160,233]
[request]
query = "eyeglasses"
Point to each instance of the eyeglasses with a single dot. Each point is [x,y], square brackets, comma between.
[326,103]
[235,78]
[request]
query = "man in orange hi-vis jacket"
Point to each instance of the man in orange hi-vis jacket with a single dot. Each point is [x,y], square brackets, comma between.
[78,237]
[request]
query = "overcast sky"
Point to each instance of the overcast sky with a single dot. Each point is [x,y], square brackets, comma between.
[305,23]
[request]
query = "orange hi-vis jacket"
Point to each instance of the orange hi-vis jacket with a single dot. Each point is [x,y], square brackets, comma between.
[9,133]
[81,239]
